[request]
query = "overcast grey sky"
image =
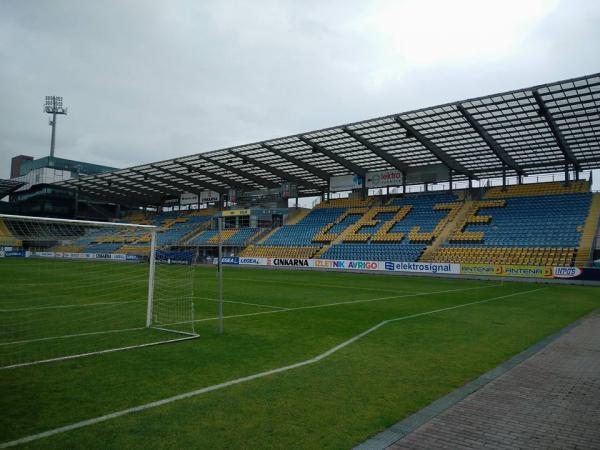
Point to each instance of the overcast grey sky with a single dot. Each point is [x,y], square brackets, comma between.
[149,80]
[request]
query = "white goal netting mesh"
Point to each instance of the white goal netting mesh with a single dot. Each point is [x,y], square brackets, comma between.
[73,288]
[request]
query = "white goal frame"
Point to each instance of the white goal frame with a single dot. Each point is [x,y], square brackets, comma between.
[149,320]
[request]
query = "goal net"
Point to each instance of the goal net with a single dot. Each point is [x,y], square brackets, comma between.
[72,288]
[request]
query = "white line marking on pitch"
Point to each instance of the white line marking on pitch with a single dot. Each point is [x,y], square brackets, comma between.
[215,387]
[233,316]
[338,286]
[33,308]
[326,305]
[244,303]
[66,336]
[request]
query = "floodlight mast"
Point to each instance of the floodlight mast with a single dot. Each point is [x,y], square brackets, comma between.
[54,106]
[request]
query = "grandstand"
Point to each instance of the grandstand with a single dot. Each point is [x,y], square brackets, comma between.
[452,147]
[538,224]
[541,224]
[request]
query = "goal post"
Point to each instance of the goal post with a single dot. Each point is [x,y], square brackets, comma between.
[151,279]
[72,288]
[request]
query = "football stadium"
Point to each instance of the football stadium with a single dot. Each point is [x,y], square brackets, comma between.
[307,291]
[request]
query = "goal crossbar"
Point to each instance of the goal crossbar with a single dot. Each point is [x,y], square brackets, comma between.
[76,222]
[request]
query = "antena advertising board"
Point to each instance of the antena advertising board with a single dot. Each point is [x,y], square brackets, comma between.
[507,270]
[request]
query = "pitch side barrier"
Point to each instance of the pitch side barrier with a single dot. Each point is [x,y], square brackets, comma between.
[479,271]
[170,257]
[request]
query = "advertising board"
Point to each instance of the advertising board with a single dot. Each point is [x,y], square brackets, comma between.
[422,267]
[345,183]
[506,270]
[383,178]
[209,197]
[236,212]
[347,264]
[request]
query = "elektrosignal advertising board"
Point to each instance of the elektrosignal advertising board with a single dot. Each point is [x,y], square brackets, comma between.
[419,267]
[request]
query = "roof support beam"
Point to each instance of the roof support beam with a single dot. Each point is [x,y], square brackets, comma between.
[490,141]
[103,191]
[298,162]
[113,198]
[390,159]
[560,139]
[95,181]
[280,173]
[185,177]
[440,154]
[214,176]
[125,188]
[154,187]
[183,187]
[354,168]
[254,178]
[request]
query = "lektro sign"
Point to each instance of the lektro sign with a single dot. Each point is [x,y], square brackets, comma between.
[384,178]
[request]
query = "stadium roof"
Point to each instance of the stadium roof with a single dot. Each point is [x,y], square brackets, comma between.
[8,186]
[539,129]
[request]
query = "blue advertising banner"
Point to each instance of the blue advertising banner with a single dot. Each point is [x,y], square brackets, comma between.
[175,256]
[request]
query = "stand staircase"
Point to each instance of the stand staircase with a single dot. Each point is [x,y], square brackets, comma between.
[588,233]
[448,230]
[185,239]
[297,216]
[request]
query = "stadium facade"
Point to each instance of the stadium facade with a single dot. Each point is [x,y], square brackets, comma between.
[36,192]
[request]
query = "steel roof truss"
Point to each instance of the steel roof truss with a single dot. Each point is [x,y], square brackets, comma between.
[490,141]
[450,162]
[354,168]
[560,140]
[279,173]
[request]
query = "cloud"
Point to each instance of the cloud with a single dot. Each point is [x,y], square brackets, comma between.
[146,81]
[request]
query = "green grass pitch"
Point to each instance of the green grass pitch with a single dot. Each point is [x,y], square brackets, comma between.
[274,318]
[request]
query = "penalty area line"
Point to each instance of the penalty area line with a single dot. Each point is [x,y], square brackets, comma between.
[351,302]
[33,308]
[312,284]
[277,309]
[244,303]
[215,387]
[187,337]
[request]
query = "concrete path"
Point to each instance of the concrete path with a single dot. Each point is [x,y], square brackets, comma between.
[549,401]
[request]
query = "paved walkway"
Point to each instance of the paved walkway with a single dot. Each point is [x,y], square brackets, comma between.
[552,400]
[549,401]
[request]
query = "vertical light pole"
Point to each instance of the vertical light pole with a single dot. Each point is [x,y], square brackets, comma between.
[54,106]
[220,267]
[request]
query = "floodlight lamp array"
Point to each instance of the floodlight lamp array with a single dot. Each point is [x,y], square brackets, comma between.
[54,104]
